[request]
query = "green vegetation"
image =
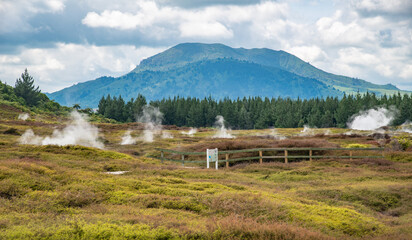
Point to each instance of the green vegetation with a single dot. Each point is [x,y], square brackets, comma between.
[70,192]
[53,192]
[249,113]
[28,98]
[25,88]
[218,71]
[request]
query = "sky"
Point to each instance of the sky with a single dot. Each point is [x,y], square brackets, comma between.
[64,42]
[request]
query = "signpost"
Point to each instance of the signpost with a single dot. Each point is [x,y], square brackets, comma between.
[212,156]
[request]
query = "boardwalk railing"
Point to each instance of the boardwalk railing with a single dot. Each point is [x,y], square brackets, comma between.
[284,154]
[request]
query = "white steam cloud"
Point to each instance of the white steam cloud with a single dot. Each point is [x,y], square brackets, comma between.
[327,132]
[152,119]
[79,132]
[222,132]
[406,127]
[276,135]
[371,119]
[166,135]
[190,133]
[23,116]
[127,138]
[307,131]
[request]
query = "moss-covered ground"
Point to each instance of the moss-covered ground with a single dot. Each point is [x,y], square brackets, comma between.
[53,192]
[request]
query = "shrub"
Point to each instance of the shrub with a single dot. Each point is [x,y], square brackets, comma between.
[10,189]
[79,197]
[357,145]
[240,227]
[12,131]
[405,142]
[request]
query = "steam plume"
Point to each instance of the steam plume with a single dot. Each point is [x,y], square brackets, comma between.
[371,119]
[307,131]
[222,132]
[79,132]
[127,138]
[152,118]
[277,135]
[24,116]
[406,127]
[189,133]
[166,135]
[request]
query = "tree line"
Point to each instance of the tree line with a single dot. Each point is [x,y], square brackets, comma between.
[257,112]
[27,94]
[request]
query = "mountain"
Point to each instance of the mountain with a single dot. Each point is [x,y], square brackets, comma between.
[202,70]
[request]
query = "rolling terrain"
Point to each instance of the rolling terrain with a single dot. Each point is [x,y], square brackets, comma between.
[65,192]
[203,70]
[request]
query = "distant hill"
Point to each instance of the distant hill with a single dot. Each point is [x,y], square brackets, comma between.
[202,70]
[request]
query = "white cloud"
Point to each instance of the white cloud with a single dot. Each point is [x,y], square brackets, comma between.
[357,56]
[369,39]
[311,53]
[66,64]
[384,6]
[15,14]
[335,31]
[204,29]
[406,72]
[209,22]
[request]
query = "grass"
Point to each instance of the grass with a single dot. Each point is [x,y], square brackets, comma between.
[53,192]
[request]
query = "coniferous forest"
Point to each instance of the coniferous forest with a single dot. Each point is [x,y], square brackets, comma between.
[256,112]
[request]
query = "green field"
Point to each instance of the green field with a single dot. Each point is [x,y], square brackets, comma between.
[53,192]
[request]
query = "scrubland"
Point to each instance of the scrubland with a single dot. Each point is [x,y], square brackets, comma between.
[65,192]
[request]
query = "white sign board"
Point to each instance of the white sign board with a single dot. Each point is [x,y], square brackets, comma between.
[212,156]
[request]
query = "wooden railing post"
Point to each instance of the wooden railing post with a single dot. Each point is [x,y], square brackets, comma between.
[286,156]
[162,156]
[227,160]
[350,154]
[183,160]
[310,155]
[260,159]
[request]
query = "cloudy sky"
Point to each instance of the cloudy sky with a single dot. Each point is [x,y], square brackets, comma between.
[63,42]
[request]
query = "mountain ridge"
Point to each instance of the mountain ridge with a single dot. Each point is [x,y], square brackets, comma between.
[203,70]
[281,58]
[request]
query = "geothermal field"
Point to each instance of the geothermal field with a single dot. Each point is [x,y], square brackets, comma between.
[72,177]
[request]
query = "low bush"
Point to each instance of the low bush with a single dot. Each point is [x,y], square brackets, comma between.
[81,230]
[240,227]
[12,131]
[79,196]
[10,188]
[357,145]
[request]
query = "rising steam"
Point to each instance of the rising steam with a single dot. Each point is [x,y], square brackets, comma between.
[276,135]
[152,119]
[127,138]
[371,119]
[189,133]
[307,131]
[79,132]
[222,132]
[24,116]
[406,127]
[166,135]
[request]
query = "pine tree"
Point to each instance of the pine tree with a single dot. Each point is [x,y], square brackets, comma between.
[24,87]
[102,106]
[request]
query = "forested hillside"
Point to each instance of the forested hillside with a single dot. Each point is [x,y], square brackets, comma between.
[26,94]
[203,70]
